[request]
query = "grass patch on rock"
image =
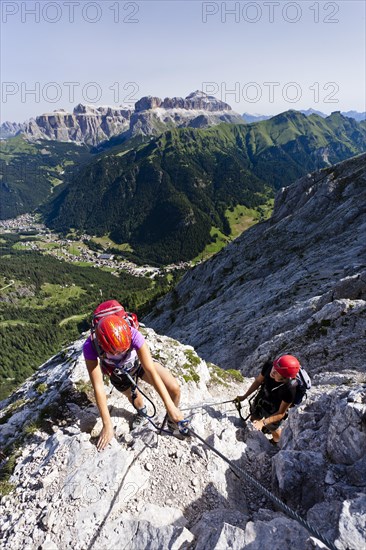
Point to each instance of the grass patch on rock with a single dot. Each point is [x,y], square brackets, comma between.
[190,374]
[224,377]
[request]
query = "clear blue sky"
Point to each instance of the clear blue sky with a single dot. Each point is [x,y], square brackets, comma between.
[273,55]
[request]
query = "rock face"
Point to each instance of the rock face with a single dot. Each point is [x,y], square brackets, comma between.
[86,124]
[10,129]
[150,116]
[146,103]
[198,110]
[152,491]
[335,459]
[195,101]
[295,283]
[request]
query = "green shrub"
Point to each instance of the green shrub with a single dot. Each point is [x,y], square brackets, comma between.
[221,376]
[192,357]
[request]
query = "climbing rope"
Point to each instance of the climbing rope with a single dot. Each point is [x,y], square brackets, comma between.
[207,404]
[241,473]
[236,469]
[134,387]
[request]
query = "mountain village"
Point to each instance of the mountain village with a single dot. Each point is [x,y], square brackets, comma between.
[76,250]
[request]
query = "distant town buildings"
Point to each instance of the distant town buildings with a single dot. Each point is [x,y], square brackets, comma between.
[68,249]
[106,256]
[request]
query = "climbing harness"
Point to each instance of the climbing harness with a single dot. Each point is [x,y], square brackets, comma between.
[252,407]
[239,407]
[241,473]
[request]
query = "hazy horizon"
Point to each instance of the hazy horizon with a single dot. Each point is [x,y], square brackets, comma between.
[259,57]
[253,114]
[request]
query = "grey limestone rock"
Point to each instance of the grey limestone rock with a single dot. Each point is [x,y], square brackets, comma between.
[222,537]
[346,442]
[321,464]
[342,522]
[195,101]
[356,473]
[86,124]
[299,477]
[220,528]
[149,116]
[146,103]
[160,516]
[69,496]
[127,534]
[278,534]
[352,523]
[198,110]
[308,299]
[10,129]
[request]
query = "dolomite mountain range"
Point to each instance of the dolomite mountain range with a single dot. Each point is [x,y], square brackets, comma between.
[295,283]
[149,116]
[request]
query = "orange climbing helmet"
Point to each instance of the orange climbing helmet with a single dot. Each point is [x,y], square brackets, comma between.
[287,366]
[113,334]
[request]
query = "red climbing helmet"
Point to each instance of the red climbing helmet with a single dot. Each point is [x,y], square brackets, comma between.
[287,366]
[113,334]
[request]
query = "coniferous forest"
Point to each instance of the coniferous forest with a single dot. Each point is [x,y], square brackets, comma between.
[50,304]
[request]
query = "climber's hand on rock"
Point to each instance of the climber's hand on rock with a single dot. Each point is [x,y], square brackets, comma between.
[258,424]
[105,437]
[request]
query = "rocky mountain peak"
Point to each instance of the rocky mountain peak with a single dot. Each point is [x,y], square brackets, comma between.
[211,102]
[81,109]
[147,102]
[196,100]
[198,110]
[150,116]
[10,129]
[86,124]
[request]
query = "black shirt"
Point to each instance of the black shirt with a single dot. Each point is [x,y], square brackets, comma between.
[276,392]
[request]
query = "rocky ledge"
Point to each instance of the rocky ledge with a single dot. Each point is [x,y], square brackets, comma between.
[151,491]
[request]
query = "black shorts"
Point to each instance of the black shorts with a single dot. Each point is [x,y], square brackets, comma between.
[262,408]
[121,382]
[259,414]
